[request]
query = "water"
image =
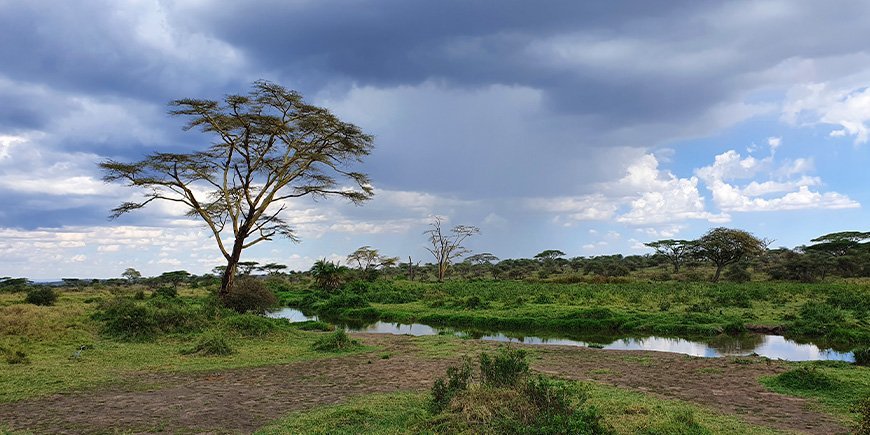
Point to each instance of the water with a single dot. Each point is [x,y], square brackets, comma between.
[770,346]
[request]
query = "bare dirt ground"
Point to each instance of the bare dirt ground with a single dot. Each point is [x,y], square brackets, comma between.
[241,400]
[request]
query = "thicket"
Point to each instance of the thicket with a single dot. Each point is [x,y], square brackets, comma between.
[509,400]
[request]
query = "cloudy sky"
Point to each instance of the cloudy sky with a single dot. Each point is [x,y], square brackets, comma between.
[589,127]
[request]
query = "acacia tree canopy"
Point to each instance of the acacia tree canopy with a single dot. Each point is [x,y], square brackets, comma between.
[269,147]
[724,246]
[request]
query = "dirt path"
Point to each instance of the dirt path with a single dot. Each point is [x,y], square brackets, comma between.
[241,400]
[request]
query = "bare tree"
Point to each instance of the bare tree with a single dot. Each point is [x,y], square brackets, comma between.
[446,247]
[270,147]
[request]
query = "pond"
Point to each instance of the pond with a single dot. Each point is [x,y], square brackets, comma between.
[770,346]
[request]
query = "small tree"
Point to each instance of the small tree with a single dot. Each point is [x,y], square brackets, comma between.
[676,251]
[174,277]
[549,255]
[132,275]
[446,247]
[270,146]
[838,244]
[725,246]
[246,267]
[272,268]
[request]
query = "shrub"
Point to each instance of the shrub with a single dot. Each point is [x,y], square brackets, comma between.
[139,295]
[337,341]
[737,273]
[443,391]
[129,321]
[338,304]
[805,378]
[862,356]
[41,296]
[250,295]
[250,325]
[165,292]
[506,368]
[210,343]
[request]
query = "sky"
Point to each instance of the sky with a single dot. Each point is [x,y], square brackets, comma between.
[589,127]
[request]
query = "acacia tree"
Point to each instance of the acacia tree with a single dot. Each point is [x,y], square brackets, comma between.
[676,251]
[724,246]
[132,275]
[446,247]
[270,146]
[549,255]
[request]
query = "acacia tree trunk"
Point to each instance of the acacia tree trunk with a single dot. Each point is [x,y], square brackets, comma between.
[230,272]
[719,268]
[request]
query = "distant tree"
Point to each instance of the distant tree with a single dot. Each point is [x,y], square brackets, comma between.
[725,246]
[676,251]
[327,275]
[838,244]
[270,146]
[549,254]
[272,268]
[447,247]
[175,277]
[132,275]
[9,284]
[368,259]
[481,259]
[246,267]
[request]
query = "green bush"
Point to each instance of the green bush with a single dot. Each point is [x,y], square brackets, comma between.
[506,368]
[337,341]
[41,296]
[250,325]
[250,295]
[165,292]
[337,305]
[210,343]
[862,356]
[139,295]
[443,391]
[737,273]
[806,378]
[126,320]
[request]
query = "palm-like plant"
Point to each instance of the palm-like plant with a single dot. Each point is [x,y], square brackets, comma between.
[327,275]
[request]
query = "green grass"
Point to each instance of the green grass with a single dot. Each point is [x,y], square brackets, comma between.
[51,335]
[837,386]
[399,413]
[396,413]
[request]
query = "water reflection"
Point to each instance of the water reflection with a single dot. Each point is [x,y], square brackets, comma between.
[770,346]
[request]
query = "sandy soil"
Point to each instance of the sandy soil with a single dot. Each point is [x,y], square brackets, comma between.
[241,400]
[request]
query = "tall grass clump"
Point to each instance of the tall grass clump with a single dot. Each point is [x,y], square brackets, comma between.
[509,400]
[251,325]
[337,341]
[505,368]
[211,343]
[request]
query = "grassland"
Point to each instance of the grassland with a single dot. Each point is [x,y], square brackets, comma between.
[67,349]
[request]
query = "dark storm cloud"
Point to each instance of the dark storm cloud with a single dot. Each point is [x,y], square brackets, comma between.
[656,62]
